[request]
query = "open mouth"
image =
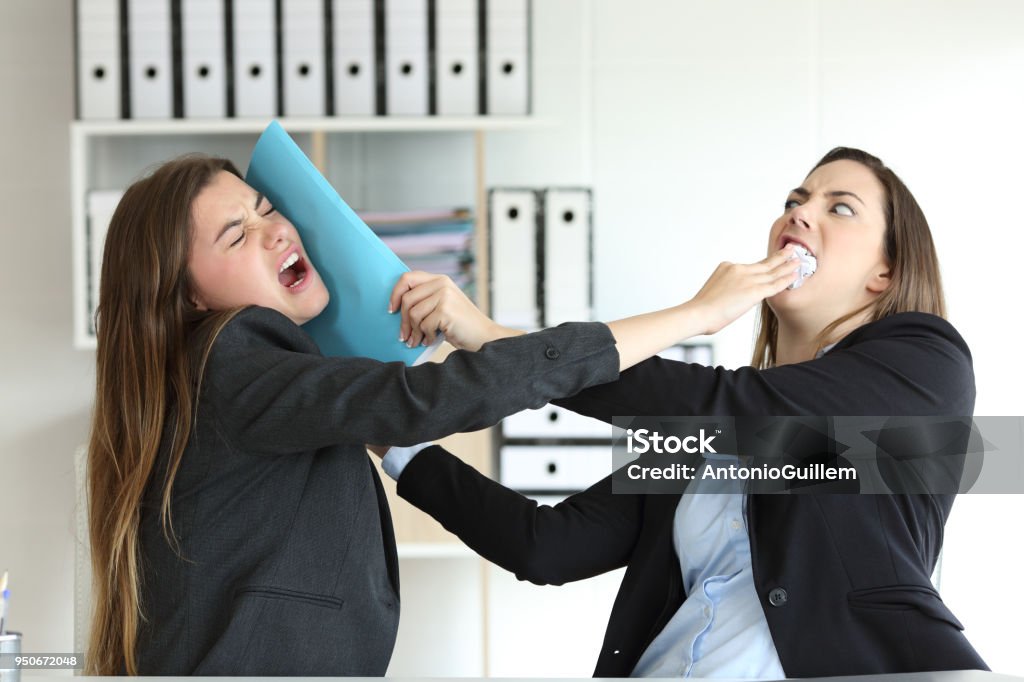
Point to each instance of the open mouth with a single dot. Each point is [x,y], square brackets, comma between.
[790,240]
[293,271]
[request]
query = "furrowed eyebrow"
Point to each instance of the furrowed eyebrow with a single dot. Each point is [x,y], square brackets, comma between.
[838,193]
[236,223]
[844,193]
[228,226]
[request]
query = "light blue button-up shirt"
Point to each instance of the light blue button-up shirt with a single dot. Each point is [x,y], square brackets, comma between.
[720,629]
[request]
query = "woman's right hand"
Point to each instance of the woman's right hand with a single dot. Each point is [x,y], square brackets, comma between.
[730,291]
[433,303]
[734,288]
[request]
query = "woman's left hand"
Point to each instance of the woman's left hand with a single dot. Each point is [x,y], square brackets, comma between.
[433,303]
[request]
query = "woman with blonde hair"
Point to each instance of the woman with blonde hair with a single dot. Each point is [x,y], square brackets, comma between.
[743,585]
[237,525]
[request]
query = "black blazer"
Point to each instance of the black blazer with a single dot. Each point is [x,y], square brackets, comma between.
[844,580]
[287,563]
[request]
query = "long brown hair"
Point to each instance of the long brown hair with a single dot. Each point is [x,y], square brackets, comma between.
[915,282]
[152,344]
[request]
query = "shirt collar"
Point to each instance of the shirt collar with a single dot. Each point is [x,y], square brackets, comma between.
[825,349]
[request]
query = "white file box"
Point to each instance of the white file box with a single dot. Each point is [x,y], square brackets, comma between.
[149,59]
[567,256]
[457,59]
[204,59]
[303,58]
[99,59]
[513,263]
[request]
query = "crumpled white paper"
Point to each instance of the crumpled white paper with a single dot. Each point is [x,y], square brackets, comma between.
[808,266]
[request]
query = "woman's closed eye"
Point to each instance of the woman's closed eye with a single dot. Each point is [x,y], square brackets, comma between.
[241,236]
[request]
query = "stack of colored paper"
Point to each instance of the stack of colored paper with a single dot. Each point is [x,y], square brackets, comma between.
[433,240]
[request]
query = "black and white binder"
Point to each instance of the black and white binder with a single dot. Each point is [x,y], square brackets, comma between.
[203,58]
[457,57]
[513,257]
[566,265]
[303,57]
[354,57]
[406,57]
[254,59]
[150,59]
[98,32]
[507,57]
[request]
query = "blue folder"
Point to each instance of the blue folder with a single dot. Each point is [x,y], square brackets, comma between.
[358,269]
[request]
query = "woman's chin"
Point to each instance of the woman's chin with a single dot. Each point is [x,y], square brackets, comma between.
[787,299]
[317,302]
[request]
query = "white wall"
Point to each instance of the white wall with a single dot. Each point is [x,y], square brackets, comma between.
[45,386]
[691,120]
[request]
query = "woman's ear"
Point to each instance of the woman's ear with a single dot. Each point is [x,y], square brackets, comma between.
[879,280]
[197,301]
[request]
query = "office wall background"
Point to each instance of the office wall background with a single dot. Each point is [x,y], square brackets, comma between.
[691,120]
[45,386]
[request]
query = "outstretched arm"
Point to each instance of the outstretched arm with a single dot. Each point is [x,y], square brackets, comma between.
[432,303]
[590,533]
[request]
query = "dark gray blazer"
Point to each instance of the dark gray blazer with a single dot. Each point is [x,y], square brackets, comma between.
[287,563]
[844,580]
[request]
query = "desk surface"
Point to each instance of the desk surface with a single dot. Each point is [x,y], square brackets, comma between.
[944,676]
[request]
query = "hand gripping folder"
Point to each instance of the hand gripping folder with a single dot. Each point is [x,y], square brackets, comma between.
[358,269]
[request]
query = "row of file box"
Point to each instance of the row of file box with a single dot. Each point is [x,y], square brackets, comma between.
[209,59]
[541,246]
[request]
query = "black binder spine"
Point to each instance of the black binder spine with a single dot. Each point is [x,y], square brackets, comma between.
[126,67]
[177,62]
[432,57]
[229,58]
[279,50]
[482,55]
[329,57]
[380,12]
[540,249]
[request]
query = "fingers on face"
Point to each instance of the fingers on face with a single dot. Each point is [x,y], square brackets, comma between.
[781,256]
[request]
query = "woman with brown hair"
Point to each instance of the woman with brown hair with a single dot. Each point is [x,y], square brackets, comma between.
[743,585]
[237,525]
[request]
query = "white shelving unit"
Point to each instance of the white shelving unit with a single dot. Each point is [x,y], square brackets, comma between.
[94,144]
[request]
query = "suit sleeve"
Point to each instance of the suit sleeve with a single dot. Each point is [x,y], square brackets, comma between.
[917,365]
[589,533]
[274,393]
